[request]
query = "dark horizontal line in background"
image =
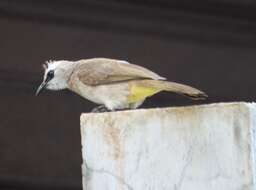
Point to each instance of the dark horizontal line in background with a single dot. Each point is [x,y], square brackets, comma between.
[238,9]
[19,82]
[19,77]
[37,183]
[218,23]
[221,8]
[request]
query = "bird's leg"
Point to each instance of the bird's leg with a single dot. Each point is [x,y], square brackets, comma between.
[100,109]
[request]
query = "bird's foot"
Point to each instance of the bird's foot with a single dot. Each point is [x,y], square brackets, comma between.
[122,109]
[100,109]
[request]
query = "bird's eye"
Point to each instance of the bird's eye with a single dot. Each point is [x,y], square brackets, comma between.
[50,74]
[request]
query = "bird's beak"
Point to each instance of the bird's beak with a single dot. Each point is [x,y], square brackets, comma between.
[40,88]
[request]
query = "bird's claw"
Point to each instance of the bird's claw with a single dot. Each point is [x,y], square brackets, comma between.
[100,109]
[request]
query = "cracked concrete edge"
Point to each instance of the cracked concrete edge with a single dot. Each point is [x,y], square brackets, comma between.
[252,111]
[83,116]
[87,171]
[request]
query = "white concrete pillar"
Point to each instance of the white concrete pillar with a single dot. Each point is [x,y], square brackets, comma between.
[208,147]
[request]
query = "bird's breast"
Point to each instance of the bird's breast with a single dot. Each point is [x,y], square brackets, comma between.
[114,95]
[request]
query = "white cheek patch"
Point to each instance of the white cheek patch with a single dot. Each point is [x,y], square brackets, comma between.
[57,84]
[53,86]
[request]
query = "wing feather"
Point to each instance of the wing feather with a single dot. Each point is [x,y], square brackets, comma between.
[98,71]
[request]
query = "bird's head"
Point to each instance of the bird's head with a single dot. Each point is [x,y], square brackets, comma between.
[56,75]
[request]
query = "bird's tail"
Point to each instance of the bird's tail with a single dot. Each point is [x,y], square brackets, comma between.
[178,88]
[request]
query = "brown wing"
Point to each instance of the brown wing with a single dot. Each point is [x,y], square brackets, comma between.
[100,71]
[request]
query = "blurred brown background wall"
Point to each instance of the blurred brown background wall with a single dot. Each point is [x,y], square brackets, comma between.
[206,44]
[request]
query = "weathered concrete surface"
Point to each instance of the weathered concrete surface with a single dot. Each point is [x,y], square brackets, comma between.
[208,147]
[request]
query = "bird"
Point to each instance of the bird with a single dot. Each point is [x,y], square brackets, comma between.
[111,83]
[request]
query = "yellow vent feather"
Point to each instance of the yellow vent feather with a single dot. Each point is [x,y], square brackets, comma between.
[138,93]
